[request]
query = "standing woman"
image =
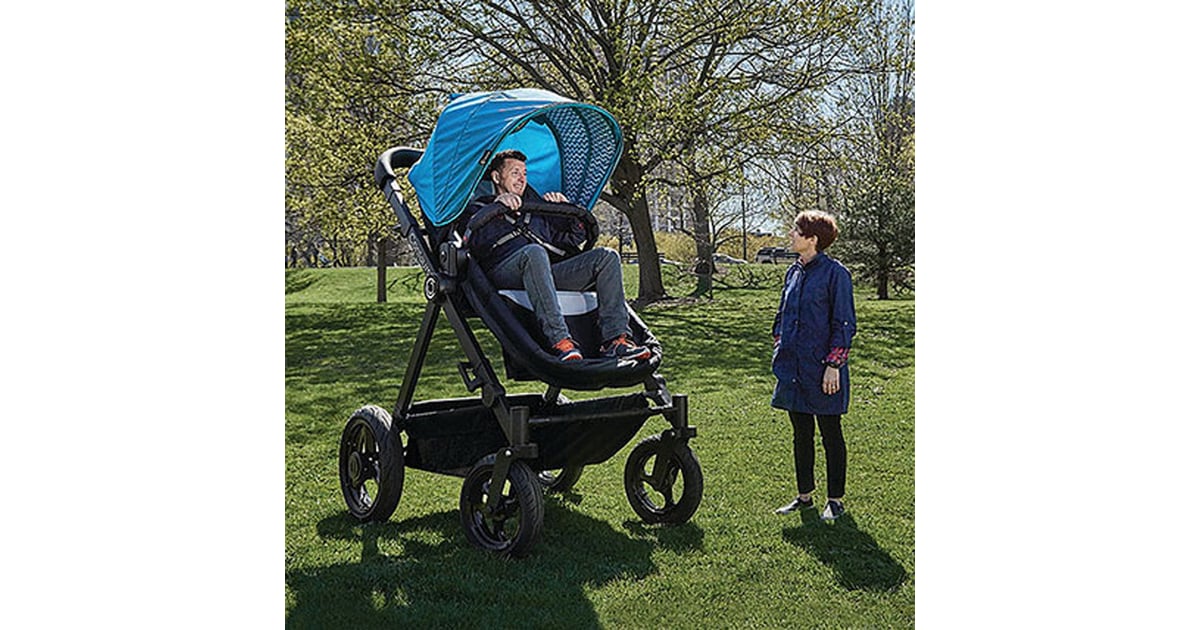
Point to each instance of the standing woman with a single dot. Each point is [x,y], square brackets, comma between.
[813,328]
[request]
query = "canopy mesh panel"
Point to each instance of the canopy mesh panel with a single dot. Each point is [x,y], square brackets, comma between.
[588,144]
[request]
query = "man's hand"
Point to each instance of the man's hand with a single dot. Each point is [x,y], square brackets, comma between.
[509,199]
[832,381]
[555,197]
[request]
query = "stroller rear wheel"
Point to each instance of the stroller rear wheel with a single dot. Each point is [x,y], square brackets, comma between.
[371,465]
[654,473]
[516,523]
[563,481]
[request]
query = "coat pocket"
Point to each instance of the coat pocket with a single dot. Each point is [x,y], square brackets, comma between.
[782,363]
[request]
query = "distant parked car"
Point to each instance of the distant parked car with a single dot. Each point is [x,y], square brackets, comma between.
[631,258]
[727,260]
[772,255]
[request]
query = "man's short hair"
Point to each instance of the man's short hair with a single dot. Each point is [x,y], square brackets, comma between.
[819,224]
[498,160]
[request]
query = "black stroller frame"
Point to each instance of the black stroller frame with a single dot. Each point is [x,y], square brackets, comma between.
[497,440]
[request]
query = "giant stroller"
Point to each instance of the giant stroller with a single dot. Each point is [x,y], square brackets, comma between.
[511,447]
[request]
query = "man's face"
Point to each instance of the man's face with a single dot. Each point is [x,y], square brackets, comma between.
[510,177]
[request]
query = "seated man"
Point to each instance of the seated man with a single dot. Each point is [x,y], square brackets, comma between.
[513,260]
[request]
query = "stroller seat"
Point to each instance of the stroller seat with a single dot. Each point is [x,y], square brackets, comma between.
[571,303]
[579,311]
[508,314]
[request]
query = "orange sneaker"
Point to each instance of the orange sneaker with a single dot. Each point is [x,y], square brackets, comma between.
[567,351]
[623,348]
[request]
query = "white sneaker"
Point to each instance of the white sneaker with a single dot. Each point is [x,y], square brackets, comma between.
[833,510]
[796,504]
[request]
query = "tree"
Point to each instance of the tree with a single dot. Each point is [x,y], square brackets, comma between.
[878,162]
[763,84]
[348,97]
[853,154]
[667,70]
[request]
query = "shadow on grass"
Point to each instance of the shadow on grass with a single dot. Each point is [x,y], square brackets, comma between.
[678,538]
[366,342]
[421,572]
[854,556]
[299,280]
[885,338]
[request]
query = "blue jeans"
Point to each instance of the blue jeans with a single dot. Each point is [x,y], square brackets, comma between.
[529,268]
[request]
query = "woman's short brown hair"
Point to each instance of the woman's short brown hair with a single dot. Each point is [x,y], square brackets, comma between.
[819,224]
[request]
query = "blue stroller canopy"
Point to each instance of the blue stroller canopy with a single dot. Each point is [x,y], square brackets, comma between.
[571,147]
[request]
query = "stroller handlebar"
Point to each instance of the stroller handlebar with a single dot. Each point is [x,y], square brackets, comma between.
[392,159]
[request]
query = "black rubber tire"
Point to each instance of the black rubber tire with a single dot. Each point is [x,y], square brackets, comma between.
[516,527]
[371,465]
[657,504]
[562,481]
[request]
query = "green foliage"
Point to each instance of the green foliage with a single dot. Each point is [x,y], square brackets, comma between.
[734,565]
[348,75]
[681,247]
[877,158]
[880,234]
[675,246]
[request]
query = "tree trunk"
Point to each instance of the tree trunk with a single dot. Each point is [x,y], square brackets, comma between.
[704,281]
[381,249]
[630,198]
[881,275]
[704,241]
[650,284]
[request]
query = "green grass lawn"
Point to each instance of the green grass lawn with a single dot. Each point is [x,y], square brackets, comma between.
[734,565]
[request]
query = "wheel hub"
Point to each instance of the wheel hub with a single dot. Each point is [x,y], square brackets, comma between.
[354,466]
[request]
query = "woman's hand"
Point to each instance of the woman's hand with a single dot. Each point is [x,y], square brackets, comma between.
[831,383]
[555,197]
[509,199]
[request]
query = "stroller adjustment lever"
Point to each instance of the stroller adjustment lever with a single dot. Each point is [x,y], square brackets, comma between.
[464,371]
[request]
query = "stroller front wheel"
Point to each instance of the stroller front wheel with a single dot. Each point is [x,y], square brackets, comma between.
[371,465]
[512,528]
[663,481]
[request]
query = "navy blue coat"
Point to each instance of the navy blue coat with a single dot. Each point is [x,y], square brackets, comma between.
[816,314]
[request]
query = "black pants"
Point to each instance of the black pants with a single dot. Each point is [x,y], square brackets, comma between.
[835,452]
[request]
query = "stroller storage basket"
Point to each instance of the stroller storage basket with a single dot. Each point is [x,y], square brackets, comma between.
[448,436]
